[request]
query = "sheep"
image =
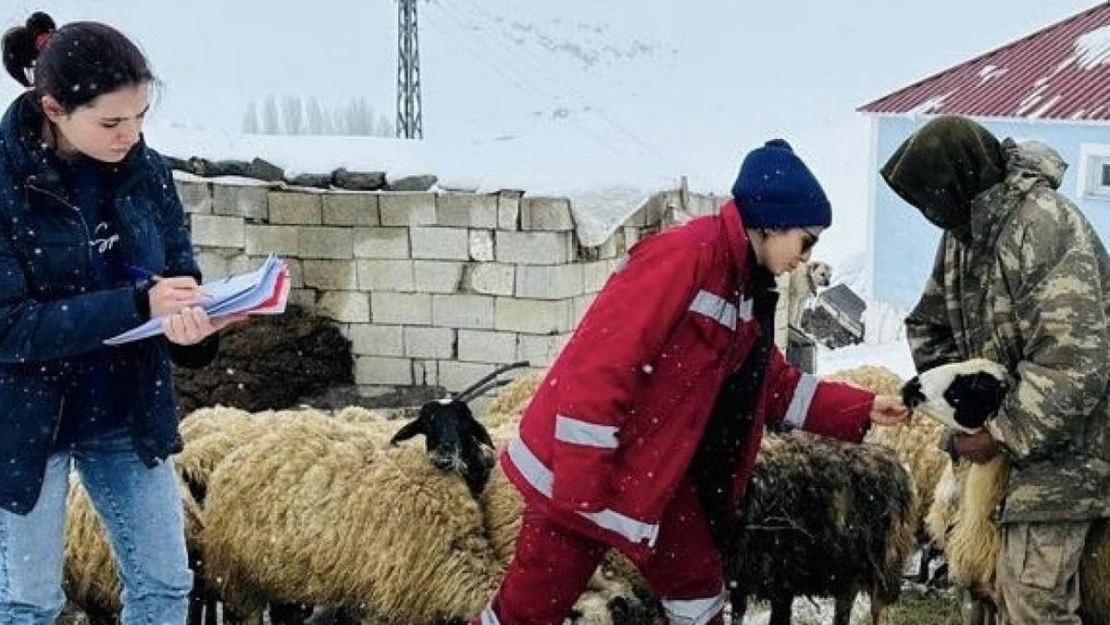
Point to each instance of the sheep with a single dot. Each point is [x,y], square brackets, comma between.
[802,286]
[502,505]
[209,435]
[820,518]
[915,444]
[964,395]
[301,516]
[510,403]
[90,577]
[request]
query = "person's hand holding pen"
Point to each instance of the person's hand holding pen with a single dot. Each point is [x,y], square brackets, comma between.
[171,295]
[177,299]
[166,295]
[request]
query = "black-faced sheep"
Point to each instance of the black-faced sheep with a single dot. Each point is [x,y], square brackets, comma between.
[821,518]
[965,395]
[299,515]
[318,511]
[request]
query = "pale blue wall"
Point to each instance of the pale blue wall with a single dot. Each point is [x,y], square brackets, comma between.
[905,243]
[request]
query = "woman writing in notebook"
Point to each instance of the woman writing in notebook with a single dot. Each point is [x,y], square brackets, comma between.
[85,207]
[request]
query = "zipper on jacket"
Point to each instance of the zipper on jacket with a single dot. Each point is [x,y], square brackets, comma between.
[80,219]
[58,423]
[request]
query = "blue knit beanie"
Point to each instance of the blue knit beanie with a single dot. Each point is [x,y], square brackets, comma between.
[775,189]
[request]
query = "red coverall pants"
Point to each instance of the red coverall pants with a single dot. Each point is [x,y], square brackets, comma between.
[552,566]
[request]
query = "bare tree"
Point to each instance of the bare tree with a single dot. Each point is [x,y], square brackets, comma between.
[316,122]
[338,118]
[299,115]
[292,114]
[385,127]
[250,119]
[270,116]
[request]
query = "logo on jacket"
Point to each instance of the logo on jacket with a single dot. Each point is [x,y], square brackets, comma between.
[103,239]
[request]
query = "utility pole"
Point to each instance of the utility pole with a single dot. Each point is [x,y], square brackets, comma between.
[410,124]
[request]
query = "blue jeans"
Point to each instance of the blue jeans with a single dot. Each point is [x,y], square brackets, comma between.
[141,509]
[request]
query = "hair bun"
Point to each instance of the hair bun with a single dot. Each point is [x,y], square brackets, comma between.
[40,23]
[19,47]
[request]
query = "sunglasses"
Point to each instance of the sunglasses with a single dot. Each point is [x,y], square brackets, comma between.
[809,239]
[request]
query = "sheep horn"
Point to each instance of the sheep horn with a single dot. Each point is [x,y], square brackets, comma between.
[467,394]
[485,388]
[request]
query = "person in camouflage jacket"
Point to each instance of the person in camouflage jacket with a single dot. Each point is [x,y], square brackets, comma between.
[1022,279]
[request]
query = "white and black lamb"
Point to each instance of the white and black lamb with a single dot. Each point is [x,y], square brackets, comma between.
[964,396]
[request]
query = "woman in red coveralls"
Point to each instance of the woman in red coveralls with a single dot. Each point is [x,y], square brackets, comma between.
[644,433]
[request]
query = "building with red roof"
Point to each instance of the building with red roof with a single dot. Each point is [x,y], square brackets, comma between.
[1052,85]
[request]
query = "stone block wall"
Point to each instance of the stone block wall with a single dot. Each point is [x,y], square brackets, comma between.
[432,289]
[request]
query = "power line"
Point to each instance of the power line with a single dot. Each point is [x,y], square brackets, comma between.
[520,84]
[524,83]
[555,78]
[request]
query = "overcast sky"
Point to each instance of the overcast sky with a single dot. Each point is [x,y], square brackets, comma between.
[813,59]
[694,83]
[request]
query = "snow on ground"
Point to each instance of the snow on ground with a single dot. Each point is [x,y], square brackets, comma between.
[885,344]
[604,192]
[894,355]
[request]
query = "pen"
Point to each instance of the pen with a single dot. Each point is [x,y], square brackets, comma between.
[141,273]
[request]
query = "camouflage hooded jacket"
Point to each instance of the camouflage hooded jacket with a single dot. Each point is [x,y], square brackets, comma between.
[1024,280]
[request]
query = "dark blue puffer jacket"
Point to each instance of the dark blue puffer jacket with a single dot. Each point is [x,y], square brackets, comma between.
[51,314]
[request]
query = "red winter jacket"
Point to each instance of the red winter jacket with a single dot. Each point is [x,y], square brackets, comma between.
[610,433]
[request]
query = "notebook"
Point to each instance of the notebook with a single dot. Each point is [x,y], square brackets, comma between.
[263,291]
